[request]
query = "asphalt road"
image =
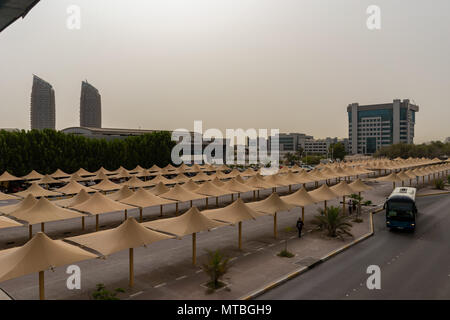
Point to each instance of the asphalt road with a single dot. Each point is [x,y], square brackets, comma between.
[413,265]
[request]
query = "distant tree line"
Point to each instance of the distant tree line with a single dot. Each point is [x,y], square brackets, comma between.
[434,149]
[48,150]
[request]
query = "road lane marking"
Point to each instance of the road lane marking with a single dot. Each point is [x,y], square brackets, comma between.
[160,285]
[136,294]
[182,277]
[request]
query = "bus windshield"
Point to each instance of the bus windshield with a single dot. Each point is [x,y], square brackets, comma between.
[400,210]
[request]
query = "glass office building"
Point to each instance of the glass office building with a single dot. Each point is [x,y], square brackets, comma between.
[371,127]
[90,106]
[42,111]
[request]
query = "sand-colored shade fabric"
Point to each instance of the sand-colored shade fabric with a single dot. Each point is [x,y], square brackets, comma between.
[235,186]
[210,189]
[134,182]
[410,174]
[275,180]
[160,188]
[403,176]
[74,187]
[123,193]
[342,189]
[271,205]
[98,204]
[169,167]
[219,175]
[39,254]
[179,193]
[25,204]
[8,223]
[5,196]
[248,172]
[283,170]
[223,167]
[359,186]
[59,174]
[201,176]
[37,191]
[239,179]
[45,211]
[46,179]
[159,178]
[296,168]
[106,185]
[33,175]
[291,178]
[391,178]
[300,198]
[323,193]
[303,177]
[104,171]
[83,172]
[236,212]
[181,178]
[191,185]
[142,198]
[154,168]
[137,169]
[99,176]
[217,182]
[256,183]
[192,221]
[143,173]
[6,176]
[76,177]
[130,234]
[81,197]
[316,175]
[121,174]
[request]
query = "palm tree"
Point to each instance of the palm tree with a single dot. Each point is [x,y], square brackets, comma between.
[334,222]
[216,267]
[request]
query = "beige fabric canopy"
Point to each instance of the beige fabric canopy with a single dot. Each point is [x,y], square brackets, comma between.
[275,180]
[74,187]
[192,221]
[191,185]
[135,182]
[324,193]
[169,167]
[99,176]
[143,173]
[235,186]
[300,198]
[8,223]
[179,193]
[154,168]
[98,204]
[217,182]
[391,178]
[46,179]
[159,178]
[256,183]
[104,171]
[37,255]
[142,198]
[82,172]
[359,186]
[123,193]
[25,204]
[33,175]
[342,189]
[45,211]
[223,167]
[130,234]
[37,191]
[210,189]
[271,205]
[76,177]
[59,174]
[123,173]
[160,188]
[180,178]
[81,197]
[137,169]
[236,212]
[5,196]
[201,177]
[6,176]
[239,179]
[248,172]
[106,185]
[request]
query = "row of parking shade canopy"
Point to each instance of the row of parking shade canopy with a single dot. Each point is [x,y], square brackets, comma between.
[82,204]
[41,253]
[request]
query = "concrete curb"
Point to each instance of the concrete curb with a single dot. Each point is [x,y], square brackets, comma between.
[432,194]
[306,268]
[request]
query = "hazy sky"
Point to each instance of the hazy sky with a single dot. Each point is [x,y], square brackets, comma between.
[288,64]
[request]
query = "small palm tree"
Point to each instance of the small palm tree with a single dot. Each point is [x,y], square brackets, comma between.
[334,222]
[216,267]
[439,184]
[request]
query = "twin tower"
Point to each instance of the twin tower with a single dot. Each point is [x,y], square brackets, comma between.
[43,112]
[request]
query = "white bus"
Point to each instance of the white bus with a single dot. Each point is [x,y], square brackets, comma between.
[401,209]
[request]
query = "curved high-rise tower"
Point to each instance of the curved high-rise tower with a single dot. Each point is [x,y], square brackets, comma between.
[90,106]
[42,113]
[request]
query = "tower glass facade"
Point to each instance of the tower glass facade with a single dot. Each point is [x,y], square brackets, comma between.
[90,106]
[42,111]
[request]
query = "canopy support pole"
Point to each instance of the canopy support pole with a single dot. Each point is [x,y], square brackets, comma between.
[217,201]
[41,286]
[191,203]
[359,204]
[194,249]
[96,222]
[30,229]
[131,268]
[140,214]
[240,235]
[176,209]
[42,227]
[275,225]
[325,207]
[254,195]
[206,203]
[343,205]
[303,214]
[232,197]
[82,223]
[258,194]
[160,211]
[126,214]
[290,188]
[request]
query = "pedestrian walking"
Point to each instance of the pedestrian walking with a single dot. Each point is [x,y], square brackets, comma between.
[354,206]
[350,207]
[299,227]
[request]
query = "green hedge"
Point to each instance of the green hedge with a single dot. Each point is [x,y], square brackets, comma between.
[47,150]
[430,150]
